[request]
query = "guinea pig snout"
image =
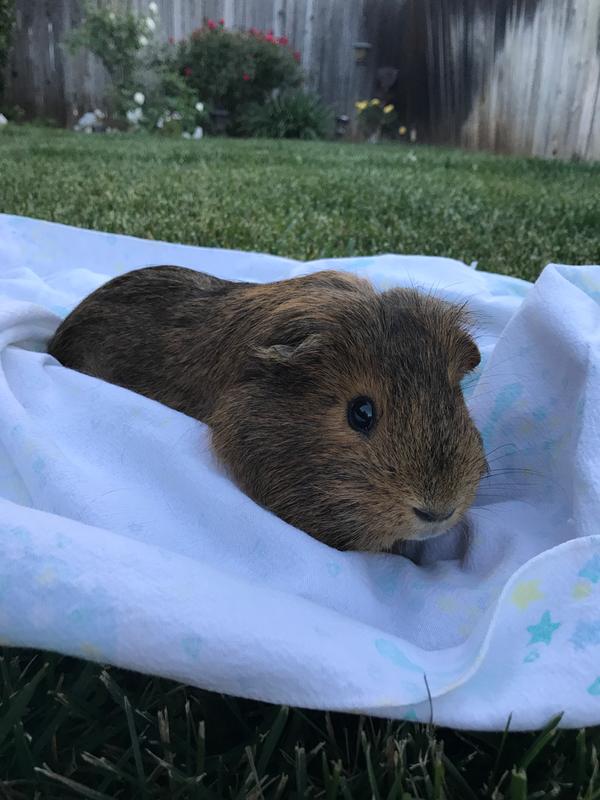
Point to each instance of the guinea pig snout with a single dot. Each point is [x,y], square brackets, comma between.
[433,514]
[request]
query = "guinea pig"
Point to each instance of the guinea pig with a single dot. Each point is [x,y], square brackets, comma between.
[336,406]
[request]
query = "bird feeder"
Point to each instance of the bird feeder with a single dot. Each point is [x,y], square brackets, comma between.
[361,51]
[341,125]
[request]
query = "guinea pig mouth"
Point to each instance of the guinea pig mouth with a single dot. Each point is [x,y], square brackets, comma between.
[428,530]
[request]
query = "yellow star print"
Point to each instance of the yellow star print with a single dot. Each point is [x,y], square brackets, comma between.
[581,590]
[525,593]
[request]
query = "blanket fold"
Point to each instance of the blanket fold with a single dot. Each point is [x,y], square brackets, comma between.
[123,541]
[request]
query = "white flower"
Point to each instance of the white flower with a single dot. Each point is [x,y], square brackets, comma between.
[176,115]
[153,8]
[112,16]
[86,121]
[143,41]
[186,135]
[134,116]
[198,133]
[3,120]
[99,114]
[160,122]
[150,24]
[139,98]
[199,106]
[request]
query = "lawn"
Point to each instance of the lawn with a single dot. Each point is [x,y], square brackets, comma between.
[70,729]
[308,200]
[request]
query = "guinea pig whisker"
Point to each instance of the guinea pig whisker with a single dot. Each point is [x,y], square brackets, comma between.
[500,456]
[510,470]
[515,474]
[513,485]
[491,453]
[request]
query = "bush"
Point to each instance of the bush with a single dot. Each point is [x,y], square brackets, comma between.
[6,23]
[116,39]
[148,90]
[231,70]
[291,115]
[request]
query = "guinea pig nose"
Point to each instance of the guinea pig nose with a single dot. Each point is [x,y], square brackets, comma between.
[427,515]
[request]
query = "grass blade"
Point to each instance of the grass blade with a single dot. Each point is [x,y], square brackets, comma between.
[272,739]
[518,785]
[541,741]
[18,705]
[135,746]
[79,788]
[370,771]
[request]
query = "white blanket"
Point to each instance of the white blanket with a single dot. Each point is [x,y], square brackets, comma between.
[123,542]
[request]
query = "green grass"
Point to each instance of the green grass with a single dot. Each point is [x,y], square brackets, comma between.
[70,729]
[309,200]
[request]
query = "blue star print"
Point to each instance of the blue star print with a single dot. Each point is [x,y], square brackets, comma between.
[591,570]
[586,634]
[543,631]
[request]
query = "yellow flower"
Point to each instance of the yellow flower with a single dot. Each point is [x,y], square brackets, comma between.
[361,105]
[401,130]
[375,102]
[387,109]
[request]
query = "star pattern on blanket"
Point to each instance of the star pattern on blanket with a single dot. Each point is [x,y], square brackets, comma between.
[544,630]
[525,593]
[591,570]
[595,687]
[581,590]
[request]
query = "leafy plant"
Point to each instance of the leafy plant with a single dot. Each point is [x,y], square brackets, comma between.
[376,118]
[115,38]
[232,69]
[291,115]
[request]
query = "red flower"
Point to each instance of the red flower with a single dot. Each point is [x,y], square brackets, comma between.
[270,33]
[187,71]
[222,23]
[211,25]
[269,37]
[254,32]
[245,77]
[297,56]
[283,40]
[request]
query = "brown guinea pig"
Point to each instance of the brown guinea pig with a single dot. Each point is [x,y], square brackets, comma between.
[337,407]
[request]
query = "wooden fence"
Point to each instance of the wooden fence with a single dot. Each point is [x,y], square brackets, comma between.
[519,76]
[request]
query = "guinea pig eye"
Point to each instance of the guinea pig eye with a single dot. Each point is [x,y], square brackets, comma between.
[361,414]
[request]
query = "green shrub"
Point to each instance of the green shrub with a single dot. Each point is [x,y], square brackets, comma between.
[6,23]
[230,70]
[148,90]
[291,115]
[115,38]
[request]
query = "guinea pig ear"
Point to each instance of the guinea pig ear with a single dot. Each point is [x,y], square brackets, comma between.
[467,355]
[289,354]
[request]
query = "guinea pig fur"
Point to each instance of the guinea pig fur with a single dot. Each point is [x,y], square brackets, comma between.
[336,406]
